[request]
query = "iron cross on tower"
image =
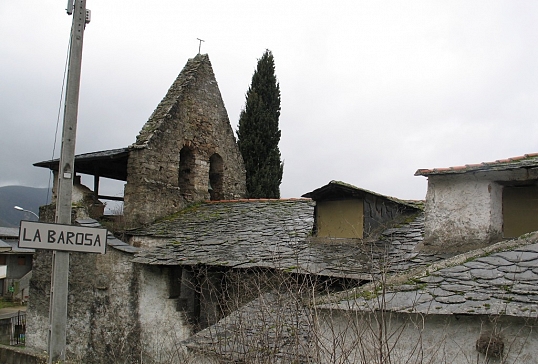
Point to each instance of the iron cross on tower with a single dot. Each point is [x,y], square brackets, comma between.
[200,45]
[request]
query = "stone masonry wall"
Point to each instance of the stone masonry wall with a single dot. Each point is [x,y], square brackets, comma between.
[102,307]
[192,118]
[380,212]
[462,213]
[162,325]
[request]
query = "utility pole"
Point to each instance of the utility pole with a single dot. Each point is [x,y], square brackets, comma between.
[66,173]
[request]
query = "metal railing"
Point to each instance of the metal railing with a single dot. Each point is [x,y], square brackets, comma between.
[13,328]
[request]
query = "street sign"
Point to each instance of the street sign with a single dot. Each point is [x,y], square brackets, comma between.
[38,235]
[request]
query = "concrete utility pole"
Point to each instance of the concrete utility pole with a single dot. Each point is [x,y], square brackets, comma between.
[66,173]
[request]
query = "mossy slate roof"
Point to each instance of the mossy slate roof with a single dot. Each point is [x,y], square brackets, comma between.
[502,283]
[275,329]
[339,189]
[111,240]
[275,234]
[170,101]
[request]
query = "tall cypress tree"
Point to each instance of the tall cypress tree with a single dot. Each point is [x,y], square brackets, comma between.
[258,133]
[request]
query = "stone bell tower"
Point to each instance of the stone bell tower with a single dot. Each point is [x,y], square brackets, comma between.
[186,152]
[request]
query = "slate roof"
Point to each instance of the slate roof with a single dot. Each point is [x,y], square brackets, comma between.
[504,282]
[106,163]
[169,103]
[111,240]
[524,161]
[4,246]
[339,189]
[10,242]
[14,248]
[267,327]
[276,234]
[8,232]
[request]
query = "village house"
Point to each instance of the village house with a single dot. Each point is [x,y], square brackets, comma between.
[478,306]
[202,275]
[15,266]
[476,204]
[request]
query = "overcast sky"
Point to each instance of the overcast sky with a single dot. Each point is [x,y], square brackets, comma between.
[371,90]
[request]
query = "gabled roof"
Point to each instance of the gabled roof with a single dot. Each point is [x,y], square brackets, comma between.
[169,103]
[275,234]
[8,232]
[339,190]
[10,242]
[107,163]
[524,161]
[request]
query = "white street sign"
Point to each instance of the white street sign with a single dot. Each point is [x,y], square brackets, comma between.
[37,235]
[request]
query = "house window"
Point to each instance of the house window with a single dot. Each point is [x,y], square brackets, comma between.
[520,210]
[186,171]
[340,218]
[2,259]
[216,168]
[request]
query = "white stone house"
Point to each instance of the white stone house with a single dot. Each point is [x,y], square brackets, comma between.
[478,306]
[477,204]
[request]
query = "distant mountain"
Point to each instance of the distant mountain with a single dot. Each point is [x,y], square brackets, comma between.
[29,198]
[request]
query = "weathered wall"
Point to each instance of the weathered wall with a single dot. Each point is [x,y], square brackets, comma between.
[186,137]
[16,270]
[162,325]
[81,196]
[465,211]
[353,337]
[17,355]
[141,241]
[380,213]
[462,212]
[102,306]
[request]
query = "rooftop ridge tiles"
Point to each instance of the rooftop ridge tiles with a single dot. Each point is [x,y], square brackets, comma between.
[475,166]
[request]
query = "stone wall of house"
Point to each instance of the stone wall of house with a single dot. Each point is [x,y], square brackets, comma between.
[162,325]
[465,211]
[353,337]
[19,265]
[118,311]
[81,197]
[102,307]
[380,212]
[186,152]
[141,241]
[462,212]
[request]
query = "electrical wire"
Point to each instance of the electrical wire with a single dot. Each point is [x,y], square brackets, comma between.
[62,99]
